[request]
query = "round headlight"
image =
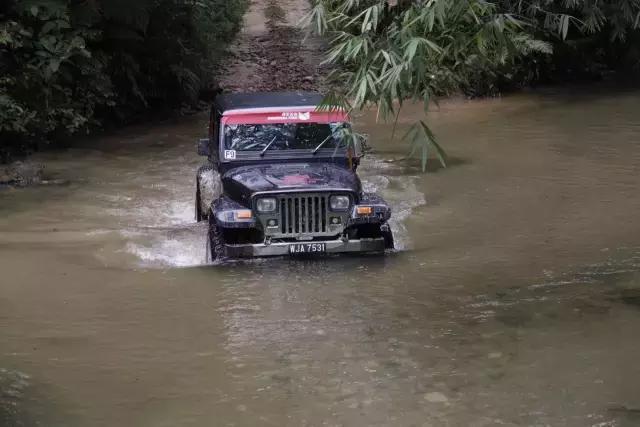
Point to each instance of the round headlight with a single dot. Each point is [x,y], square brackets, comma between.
[339,203]
[266,205]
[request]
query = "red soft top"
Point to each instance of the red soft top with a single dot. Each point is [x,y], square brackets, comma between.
[247,116]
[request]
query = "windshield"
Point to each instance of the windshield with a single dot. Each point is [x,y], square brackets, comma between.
[283,136]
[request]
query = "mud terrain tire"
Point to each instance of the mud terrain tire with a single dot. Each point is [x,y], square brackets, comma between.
[385,230]
[208,188]
[215,243]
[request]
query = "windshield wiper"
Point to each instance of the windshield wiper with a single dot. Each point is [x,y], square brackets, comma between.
[264,150]
[321,144]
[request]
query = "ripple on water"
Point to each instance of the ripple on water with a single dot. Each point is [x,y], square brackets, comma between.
[591,289]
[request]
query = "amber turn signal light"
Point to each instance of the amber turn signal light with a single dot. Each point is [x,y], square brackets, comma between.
[364,210]
[244,214]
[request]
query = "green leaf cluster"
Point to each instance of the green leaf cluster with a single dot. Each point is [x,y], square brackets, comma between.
[69,66]
[387,52]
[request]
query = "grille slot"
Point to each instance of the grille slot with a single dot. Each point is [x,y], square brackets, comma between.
[303,214]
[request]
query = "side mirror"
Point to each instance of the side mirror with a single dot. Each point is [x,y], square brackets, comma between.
[204,148]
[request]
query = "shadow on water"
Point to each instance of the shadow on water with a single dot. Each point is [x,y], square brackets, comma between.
[26,403]
[14,387]
[413,165]
[626,417]
[23,403]
[302,262]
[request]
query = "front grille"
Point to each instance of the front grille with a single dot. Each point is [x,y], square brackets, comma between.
[305,214]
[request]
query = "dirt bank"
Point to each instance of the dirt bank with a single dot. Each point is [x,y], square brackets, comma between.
[273,52]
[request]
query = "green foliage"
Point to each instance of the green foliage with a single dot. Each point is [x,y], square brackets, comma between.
[595,38]
[615,19]
[67,66]
[386,52]
[43,64]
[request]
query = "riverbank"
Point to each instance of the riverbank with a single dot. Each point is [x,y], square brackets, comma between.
[21,174]
[271,53]
[70,69]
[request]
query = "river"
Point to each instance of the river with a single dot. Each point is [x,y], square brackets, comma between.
[513,299]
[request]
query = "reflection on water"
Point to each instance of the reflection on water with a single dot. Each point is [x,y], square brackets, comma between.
[514,298]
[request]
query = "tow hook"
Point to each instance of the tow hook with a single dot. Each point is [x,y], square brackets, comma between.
[267,240]
[344,237]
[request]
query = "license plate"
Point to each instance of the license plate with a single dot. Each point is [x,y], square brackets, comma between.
[307,248]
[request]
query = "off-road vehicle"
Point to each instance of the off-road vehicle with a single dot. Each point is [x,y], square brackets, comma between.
[281,180]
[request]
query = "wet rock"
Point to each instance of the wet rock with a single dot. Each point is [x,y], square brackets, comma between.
[21,173]
[436,397]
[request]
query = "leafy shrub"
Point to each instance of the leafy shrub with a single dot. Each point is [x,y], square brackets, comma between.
[68,66]
[389,52]
[385,52]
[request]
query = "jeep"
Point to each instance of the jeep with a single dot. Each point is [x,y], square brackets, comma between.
[281,180]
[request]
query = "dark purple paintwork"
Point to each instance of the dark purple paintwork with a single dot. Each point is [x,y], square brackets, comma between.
[243,182]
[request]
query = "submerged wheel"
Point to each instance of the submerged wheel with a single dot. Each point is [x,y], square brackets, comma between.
[385,230]
[198,203]
[215,243]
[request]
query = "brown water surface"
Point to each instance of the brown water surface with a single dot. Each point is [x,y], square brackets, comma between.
[514,298]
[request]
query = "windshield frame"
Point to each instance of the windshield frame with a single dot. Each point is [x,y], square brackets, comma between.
[339,151]
[283,115]
[283,136]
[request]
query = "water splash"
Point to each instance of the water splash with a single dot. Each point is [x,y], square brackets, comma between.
[399,190]
[172,238]
[181,246]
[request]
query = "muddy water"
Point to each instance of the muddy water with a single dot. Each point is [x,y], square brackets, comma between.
[514,299]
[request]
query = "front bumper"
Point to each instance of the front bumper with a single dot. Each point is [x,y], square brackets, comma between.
[280,249]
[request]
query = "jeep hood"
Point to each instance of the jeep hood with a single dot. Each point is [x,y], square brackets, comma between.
[243,182]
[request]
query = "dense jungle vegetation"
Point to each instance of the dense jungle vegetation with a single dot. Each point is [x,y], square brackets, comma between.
[68,66]
[385,51]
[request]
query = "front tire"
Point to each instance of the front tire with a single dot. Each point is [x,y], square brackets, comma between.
[208,188]
[387,234]
[199,216]
[215,243]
